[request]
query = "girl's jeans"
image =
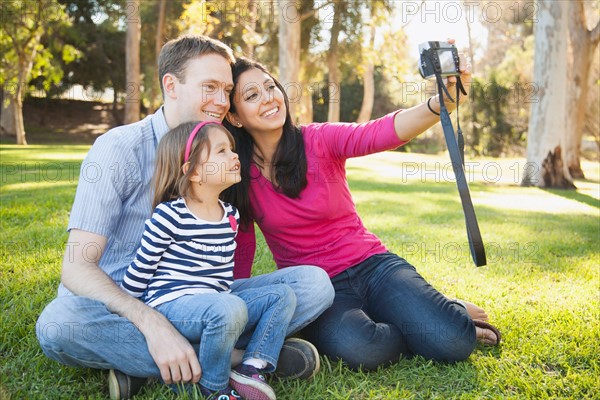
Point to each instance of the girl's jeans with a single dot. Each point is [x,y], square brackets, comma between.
[213,322]
[79,331]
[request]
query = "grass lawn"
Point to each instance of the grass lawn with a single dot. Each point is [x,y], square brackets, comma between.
[541,286]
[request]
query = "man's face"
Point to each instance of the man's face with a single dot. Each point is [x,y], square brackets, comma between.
[204,93]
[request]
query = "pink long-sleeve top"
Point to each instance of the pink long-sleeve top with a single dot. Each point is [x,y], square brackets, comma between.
[321,227]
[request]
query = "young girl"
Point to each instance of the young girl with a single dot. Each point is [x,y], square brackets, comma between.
[294,187]
[184,265]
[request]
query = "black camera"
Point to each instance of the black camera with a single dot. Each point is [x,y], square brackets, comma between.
[438,57]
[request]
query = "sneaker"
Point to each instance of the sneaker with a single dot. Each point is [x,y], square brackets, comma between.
[225,394]
[298,359]
[251,383]
[122,386]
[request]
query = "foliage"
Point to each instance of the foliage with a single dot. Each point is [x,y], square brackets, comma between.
[352,90]
[239,24]
[98,31]
[353,56]
[88,49]
[539,288]
[26,36]
[502,95]
[495,132]
[149,14]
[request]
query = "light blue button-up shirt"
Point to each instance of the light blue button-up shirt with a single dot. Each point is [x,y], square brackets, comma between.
[113,197]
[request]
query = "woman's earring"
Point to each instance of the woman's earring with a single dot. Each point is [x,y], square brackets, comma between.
[239,124]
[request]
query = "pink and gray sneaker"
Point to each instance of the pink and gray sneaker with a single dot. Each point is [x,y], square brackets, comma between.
[225,394]
[251,383]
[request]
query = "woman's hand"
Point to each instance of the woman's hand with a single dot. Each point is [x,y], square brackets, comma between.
[412,122]
[465,77]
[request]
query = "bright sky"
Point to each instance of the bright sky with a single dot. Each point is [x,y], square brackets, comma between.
[439,20]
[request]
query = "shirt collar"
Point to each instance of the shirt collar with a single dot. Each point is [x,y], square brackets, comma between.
[159,124]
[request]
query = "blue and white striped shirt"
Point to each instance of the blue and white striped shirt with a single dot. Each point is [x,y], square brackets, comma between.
[113,196]
[181,254]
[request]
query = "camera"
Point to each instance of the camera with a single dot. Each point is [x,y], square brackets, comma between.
[439,57]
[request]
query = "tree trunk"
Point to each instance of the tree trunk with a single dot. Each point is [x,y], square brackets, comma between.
[546,137]
[583,45]
[12,118]
[114,110]
[251,26]
[158,42]
[333,85]
[366,109]
[289,54]
[305,115]
[17,116]
[471,49]
[7,120]
[132,62]
[474,136]
[12,122]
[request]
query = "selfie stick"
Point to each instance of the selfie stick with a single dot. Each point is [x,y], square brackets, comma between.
[456,150]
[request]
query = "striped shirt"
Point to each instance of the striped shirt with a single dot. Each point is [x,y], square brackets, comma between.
[113,196]
[181,254]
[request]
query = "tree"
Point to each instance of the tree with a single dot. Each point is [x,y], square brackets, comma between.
[253,9]
[376,11]
[366,107]
[161,21]
[547,124]
[158,43]
[23,25]
[334,84]
[132,62]
[289,53]
[295,24]
[97,29]
[583,44]
[509,59]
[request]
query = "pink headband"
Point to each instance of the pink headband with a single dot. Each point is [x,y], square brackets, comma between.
[188,146]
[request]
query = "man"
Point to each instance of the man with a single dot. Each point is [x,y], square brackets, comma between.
[92,322]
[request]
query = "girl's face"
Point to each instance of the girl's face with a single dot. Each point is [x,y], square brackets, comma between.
[259,104]
[221,166]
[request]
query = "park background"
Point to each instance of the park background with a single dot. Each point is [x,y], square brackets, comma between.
[71,70]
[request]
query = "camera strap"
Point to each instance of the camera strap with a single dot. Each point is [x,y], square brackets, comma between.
[456,150]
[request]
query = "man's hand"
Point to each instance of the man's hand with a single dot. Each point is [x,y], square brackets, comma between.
[172,353]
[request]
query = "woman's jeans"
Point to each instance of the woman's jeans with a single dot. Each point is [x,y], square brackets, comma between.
[214,321]
[79,331]
[383,309]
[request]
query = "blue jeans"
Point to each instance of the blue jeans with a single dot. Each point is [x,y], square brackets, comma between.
[383,309]
[79,331]
[213,322]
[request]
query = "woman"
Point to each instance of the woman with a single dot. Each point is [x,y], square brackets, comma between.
[294,187]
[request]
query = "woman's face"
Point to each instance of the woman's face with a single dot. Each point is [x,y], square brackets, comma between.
[259,104]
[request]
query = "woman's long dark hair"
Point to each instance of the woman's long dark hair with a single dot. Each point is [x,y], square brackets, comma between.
[288,172]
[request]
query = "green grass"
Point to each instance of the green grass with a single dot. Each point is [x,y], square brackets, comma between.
[541,286]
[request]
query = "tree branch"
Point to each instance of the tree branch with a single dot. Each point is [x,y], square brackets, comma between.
[310,13]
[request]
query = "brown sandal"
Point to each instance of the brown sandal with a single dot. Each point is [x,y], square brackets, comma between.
[484,325]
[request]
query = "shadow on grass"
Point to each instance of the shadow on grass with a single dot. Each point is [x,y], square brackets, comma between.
[574,195]
[515,240]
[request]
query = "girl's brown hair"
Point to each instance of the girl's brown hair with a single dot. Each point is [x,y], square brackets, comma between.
[169,182]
